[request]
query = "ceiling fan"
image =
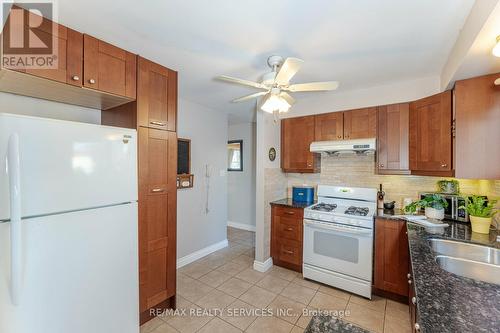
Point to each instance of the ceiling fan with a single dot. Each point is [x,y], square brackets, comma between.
[276,85]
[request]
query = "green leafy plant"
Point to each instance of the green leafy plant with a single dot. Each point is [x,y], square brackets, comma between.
[432,200]
[477,206]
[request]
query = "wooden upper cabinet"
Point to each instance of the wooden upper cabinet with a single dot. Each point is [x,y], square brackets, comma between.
[157,215]
[391,257]
[360,123]
[329,126]
[477,123]
[67,46]
[296,137]
[156,96]
[108,68]
[430,135]
[392,139]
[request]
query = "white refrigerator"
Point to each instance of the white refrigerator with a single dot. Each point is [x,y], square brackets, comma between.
[68,227]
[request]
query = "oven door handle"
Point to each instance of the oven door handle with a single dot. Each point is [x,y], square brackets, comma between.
[332,227]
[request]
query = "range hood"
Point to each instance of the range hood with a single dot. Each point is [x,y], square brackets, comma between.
[359,146]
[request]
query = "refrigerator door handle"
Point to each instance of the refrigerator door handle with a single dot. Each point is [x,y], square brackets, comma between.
[13,170]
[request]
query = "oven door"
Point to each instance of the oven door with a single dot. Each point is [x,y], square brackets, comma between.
[339,248]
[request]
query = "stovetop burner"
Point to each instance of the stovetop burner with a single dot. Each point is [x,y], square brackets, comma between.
[324,207]
[359,211]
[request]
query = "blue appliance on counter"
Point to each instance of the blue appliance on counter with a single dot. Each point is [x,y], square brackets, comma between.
[303,194]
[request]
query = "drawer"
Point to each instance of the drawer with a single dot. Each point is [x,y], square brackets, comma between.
[288,228]
[289,251]
[297,213]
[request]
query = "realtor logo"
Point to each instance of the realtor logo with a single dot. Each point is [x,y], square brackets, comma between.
[29,37]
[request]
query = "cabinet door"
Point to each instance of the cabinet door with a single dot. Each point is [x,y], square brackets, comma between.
[392,139]
[477,108]
[157,216]
[360,123]
[108,68]
[296,137]
[430,135]
[67,46]
[329,126]
[391,256]
[156,96]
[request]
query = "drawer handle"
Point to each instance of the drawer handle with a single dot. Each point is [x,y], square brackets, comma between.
[158,190]
[290,213]
[288,252]
[157,123]
[444,165]
[414,300]
[339,136]
[289,229]
[92,81]
[75,78]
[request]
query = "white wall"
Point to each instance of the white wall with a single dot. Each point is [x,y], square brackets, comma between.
[10,103]
[207,130]
[241,184]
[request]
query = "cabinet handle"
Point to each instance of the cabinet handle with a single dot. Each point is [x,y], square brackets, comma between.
[409,281]
[288,252]
[444,165]
[158,190]
[290,213]
[309,165]
[75,78]
[339,136]
[381,165]
[414,300]
[289,229]
[408,275]
[157,123]
[417,327]
[91,81]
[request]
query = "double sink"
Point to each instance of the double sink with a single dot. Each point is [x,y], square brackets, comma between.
[469,260]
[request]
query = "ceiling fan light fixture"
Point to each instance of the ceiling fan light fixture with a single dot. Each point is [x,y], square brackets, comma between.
[275,103]
[496,49]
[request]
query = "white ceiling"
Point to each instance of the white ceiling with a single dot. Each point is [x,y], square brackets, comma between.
[360,43]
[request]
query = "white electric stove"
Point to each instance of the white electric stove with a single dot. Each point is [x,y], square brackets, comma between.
[338,238]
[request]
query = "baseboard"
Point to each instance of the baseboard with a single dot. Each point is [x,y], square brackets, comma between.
[242,226]
[201,253]
[263,266]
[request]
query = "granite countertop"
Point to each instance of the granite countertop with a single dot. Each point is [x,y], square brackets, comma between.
[288,202]
[327,324]
[448,302]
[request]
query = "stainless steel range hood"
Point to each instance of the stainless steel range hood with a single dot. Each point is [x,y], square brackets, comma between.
[360,146]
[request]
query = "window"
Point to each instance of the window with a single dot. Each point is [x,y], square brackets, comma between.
[235,155]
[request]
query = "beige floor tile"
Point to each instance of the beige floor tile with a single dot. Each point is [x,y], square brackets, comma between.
[396,325]
[306,283]
[250,275]
[258,297]
[365,317]
[273,284]
[243,259]
[215,299]
[191,322]
[297,329]
[283,273]
[214,278]
[269,324]
[327,302]
[250,252]
[164,328]
[398,310]
[239,314]
[298,293]
[334,292]
[231,268]
[234,287]
[305,318]
[149,326]
[218,325]
[377,303]
[194,290]
[287,309]
[195,270]
[183,307]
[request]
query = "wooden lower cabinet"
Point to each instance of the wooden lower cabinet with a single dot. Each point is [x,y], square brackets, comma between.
[391,257]
[157,153]
[286,236]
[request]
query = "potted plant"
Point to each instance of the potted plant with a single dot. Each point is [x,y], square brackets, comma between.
[434,206]
[480,213]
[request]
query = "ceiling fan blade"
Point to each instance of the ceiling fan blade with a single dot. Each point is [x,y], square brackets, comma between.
[313,86]
[289,68]
[290,100]
[241,81]
[244,98]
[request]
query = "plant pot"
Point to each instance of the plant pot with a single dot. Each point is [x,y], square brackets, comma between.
[481,225]
[433,213]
